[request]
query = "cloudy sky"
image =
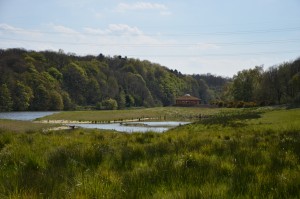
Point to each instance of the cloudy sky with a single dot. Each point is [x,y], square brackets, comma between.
[220,37]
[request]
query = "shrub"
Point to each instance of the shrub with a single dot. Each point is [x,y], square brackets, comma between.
[220,104]
[108,104]
[249,104]
[239,104]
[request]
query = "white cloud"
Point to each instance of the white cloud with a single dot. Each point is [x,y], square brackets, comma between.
[63,29]
[11,30]
[165,13]
[205,46]
[95,31]
[98,15]
[8,27]
[163,9]
[124,28]
[141,6]
[120,29]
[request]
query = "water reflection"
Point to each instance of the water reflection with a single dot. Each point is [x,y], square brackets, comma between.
[128,127]
[26,115]
[131,127]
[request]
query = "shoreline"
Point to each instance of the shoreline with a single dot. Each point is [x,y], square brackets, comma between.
[91,122]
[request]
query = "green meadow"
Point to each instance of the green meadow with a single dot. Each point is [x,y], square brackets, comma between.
[23,126]
[232,153]
[159,113]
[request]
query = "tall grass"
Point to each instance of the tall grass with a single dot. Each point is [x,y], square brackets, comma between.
[22,126]
[160,113]
[258,158]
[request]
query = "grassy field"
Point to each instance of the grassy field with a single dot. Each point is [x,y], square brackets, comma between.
[23,126]
[160,113]
[232,154]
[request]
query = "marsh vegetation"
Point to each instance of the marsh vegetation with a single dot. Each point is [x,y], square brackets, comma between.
[234,154]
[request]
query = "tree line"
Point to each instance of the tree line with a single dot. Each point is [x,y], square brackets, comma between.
[48,80]
[278,84]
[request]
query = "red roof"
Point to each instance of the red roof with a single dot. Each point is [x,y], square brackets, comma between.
[187,97]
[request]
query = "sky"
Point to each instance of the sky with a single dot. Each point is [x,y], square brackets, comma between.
[219,37]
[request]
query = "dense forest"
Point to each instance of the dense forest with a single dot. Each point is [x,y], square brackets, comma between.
[49,80]
[255,87]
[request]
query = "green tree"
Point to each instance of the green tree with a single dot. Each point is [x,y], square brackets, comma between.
[242,87]
[113,90]
[129,101]
[295,87]
[121,99]
[192,86]
[22,97]
[55,101]
[110,104]
[246,84]
[75,80]
[93,94]
[203,91]
[55,73]
[6,102]
[295,84]
[270,89]
[67,102]
[168,89]
[136,86]
[41,100]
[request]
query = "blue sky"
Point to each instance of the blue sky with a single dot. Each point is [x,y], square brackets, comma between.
[220,37]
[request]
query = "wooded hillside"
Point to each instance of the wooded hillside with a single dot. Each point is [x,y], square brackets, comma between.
[57,81]
[258,87]
[51,80]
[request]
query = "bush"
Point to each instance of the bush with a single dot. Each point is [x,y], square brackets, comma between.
[239,104]
[108,104]
[220,104]
[249,104]
[297,99]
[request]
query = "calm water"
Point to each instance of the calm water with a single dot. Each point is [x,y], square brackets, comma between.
[28,116]
[128,127]
[158,127]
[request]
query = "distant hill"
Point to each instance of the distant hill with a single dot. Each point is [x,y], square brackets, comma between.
[50,80]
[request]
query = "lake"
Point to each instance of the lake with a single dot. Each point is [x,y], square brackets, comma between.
[131,127]
[26,115]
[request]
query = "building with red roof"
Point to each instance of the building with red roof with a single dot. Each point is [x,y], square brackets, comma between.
[187,100]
